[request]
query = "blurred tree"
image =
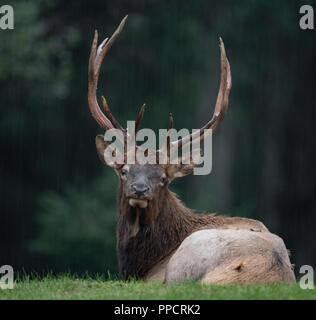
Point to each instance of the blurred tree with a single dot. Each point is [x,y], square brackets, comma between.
[167,56]
[77,227]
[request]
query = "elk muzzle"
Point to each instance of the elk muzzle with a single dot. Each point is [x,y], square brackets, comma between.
[138,196]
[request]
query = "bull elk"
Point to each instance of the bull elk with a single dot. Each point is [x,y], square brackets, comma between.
[158,237]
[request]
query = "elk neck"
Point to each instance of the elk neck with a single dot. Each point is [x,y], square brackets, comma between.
[146,236]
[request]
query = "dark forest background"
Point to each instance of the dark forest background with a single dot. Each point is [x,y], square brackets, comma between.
[58,202]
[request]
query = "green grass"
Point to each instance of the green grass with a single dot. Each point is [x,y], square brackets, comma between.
[70,287]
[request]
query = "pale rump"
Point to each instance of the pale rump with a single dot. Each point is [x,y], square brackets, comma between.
[230,256]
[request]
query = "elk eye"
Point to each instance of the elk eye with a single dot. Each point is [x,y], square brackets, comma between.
[163,179]
[123,172]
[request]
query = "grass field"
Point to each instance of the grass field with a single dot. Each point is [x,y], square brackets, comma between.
[70,287]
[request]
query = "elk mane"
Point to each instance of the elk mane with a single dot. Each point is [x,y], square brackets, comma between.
[170,222]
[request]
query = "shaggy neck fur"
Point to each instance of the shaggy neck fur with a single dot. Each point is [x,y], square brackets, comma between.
[146,236]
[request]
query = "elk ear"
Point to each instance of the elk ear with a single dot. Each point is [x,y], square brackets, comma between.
[179,170]
[183,169]
[101,145]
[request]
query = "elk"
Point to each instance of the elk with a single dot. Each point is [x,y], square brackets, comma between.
[158,237]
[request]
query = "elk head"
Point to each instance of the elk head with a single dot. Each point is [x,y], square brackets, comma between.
[142,184]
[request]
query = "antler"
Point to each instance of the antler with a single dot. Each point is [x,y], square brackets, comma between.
[221,103]
[95,61]
[139,117]
[107,121]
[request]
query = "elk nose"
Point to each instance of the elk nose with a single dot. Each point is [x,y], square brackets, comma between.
[139,189]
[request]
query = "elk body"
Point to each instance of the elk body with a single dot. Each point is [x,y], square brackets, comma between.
[158,237]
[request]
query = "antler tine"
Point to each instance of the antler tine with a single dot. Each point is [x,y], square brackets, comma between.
[221,102]
[95,61]
[170,121]
[105,46]
[225,86]
[108,113]
[139,117]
